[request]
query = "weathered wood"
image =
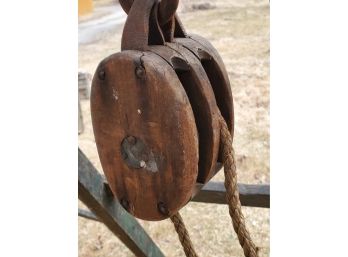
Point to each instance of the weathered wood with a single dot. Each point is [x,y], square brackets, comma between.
[250,195]
[216,72]
[140,30]
[202,99]
[213,64]
[199,91]
[92,193]
[166,8]
[155,109]
[205,81]
[139,96]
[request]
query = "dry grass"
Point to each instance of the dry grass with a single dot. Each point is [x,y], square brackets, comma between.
[240,32]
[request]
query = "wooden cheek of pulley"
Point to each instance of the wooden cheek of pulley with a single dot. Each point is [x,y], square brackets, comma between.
[155,119]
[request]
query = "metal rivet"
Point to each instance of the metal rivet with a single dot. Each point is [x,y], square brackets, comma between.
[162,208]
[125,203]
[140,72]
[101,75]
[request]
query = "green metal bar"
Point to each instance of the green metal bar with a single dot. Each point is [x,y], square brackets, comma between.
[249,195]
[95,194]
[87,214]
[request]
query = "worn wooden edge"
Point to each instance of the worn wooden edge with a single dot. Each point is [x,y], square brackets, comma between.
[93,192]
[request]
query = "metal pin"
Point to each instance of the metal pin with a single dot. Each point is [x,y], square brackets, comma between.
[162,208]
[140,72]
[101,75]
[125,203]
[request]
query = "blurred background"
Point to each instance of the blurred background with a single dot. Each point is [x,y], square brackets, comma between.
[239,30]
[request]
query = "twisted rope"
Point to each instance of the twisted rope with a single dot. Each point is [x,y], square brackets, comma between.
[183,235]
[232,193]
[233,201]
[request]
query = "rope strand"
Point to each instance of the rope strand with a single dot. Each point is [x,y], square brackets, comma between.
[232,194]
[232,198]
[183,235]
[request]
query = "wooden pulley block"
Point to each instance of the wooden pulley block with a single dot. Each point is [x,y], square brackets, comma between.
[155,114]
[212,64]
[173,31]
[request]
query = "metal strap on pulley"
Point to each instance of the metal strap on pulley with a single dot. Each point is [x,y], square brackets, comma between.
[166,10]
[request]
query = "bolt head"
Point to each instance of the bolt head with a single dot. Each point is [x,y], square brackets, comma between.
[162,208]
[140,72]
[101,75]
[125,203]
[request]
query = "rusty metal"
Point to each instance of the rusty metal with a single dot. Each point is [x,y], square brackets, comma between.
[167,9]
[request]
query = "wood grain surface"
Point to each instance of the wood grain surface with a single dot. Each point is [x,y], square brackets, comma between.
[216,72]
[136,96]
[199,91]
[155,109]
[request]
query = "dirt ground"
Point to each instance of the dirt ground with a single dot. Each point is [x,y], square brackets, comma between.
[239,29]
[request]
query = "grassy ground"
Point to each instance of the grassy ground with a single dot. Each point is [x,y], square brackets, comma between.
[239,29]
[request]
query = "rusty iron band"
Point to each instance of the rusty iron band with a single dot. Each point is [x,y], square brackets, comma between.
[166,10]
